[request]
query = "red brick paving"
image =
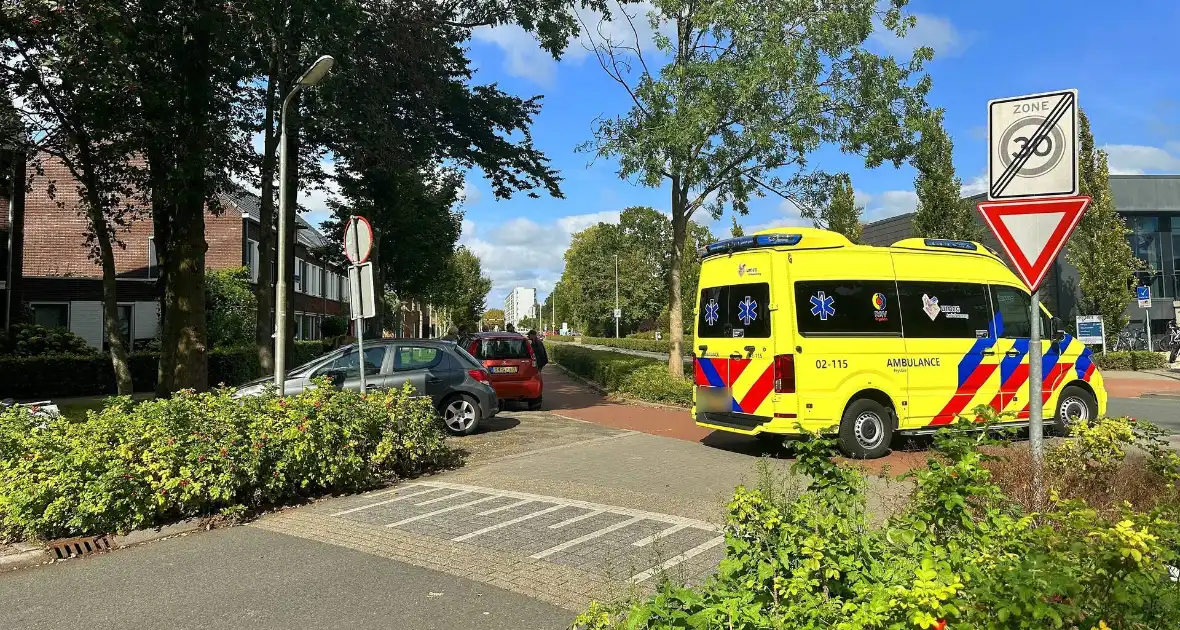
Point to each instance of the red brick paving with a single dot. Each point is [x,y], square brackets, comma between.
[1136,387]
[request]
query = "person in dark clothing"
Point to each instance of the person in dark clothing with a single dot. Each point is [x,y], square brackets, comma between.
[452,334]
[538,349]
[510,328]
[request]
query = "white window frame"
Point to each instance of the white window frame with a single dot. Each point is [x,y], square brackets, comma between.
[252,261]
[300,277]
[153,259]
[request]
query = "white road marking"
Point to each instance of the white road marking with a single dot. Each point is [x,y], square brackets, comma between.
[643,542]
[576,519]
[508,523]
[622,511]
[675,560]
[394,490]
[581,539]
[385,502]
[504,507]
[442,511]
[441,499]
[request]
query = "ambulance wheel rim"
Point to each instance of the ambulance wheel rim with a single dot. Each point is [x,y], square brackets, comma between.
[1073,409]
[869,429]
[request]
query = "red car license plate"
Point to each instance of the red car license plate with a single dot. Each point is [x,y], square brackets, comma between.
[503,370]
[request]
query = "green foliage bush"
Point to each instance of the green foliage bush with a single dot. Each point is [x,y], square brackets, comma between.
[25,340]
[134,465]
[646,345]
[1133,360]
[230,307]
[960,555]
[334,326]
[636,377]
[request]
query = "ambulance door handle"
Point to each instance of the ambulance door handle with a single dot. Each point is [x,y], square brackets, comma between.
[1012,353]
[735,356]
[989,353]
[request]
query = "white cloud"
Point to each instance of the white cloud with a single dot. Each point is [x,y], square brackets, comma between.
[1133,159]
[977,185]
[931,30]
[521,252]
[524,58]
[470,194]
[887,204]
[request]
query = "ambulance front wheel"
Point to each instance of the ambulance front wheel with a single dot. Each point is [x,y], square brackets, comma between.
[1073,405]
[865,430]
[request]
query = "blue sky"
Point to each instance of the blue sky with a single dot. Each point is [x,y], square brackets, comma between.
[1122,58]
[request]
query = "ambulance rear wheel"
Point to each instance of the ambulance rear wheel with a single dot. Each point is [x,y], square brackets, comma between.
[865,430]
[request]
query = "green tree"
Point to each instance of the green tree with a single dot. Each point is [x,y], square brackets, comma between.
[736,230]
[463,290]
[1098,247]
[841,214]
[232,307]
[71,88]
[942,212]
[747,89]
[493,319]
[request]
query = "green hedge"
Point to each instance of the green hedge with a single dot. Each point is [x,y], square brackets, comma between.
[1134,360]
[132,465]
[62,375]
[662,346]
[636,377]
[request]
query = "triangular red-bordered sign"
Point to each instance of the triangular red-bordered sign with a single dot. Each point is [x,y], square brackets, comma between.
[1033,231]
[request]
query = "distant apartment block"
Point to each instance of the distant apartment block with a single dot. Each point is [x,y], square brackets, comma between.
[519,304]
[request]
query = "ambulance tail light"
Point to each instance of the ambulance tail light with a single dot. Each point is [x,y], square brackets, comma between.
[784,374]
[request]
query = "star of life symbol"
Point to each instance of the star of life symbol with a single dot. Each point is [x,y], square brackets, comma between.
[712,312]
[823,306]
[748,310]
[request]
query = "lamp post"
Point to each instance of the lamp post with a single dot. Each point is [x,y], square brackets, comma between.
[309,78]
[616,296]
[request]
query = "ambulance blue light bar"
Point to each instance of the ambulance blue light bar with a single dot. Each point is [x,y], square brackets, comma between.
[949,244]
[749,242]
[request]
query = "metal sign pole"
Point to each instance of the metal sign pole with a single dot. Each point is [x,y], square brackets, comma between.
[360,333]
[1147,323]
[1036,424]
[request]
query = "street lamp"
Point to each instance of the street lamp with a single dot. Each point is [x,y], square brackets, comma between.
[616,296]
[309,78]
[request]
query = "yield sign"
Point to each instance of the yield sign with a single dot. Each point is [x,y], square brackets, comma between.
[1033,231]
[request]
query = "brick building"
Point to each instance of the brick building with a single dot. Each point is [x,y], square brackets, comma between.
[51,272]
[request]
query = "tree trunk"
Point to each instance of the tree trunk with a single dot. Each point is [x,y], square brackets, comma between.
[110,298]
[161,213]
[675,319]
[264,290]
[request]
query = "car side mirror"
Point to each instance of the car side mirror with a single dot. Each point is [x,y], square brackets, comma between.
[1057,330]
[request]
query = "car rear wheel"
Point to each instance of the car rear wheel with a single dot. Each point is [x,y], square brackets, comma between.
[1073,405]
[535,404]
[461,415]
[865,430]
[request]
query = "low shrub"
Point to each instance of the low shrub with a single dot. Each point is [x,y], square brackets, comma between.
[637,377]
[1133,360]
[960,555]
[136,465]
[24,340]
[58,375]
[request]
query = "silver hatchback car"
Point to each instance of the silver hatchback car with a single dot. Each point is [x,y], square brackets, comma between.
[456,382]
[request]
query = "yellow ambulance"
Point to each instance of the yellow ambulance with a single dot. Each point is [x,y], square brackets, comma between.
[801,329]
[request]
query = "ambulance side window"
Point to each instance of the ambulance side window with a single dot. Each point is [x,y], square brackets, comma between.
[1013,308]
[944,310]
[847,308]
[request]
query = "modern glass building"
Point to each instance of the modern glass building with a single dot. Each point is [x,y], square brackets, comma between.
[1151,206]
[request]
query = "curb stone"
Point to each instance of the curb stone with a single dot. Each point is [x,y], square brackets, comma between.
[33,555]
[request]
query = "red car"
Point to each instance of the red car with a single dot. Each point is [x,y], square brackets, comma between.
[511,365]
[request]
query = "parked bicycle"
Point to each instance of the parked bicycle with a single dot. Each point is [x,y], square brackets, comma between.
[1130,339]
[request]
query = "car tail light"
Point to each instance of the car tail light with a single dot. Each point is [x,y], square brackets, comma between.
[479,375]
[784,374]
[532,353]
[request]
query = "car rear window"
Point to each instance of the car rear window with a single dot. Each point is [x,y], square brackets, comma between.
[499,349]
[734,311]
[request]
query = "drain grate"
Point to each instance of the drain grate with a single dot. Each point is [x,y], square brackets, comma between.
[76,547]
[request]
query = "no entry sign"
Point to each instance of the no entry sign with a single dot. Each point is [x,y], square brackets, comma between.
[358,240]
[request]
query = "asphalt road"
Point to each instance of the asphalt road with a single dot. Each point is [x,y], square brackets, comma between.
[245,577]
[1164,412]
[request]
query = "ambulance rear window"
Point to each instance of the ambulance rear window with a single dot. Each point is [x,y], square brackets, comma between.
[734,311]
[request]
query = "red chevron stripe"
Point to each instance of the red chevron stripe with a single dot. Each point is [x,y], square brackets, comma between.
[1050,383]
[698,374]
[964,394]
[1089,372]
[1015,381]
[736,367]
[758,393]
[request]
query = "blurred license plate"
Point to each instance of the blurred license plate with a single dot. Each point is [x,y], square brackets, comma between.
[714,399]
[504,370]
